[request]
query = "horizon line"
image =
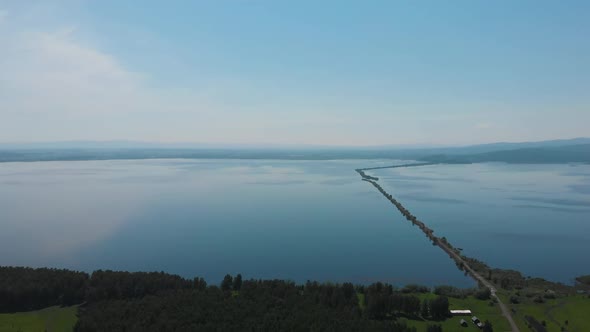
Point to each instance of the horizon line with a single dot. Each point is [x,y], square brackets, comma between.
[274,145]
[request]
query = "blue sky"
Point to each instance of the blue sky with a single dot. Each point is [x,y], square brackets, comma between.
[294,72]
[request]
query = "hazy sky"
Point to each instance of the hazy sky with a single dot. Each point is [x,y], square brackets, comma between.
[294,72]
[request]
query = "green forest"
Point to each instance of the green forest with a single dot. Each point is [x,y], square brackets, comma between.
[50,300]
[157,301]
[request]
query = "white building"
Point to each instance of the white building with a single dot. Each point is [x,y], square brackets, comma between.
[460,312]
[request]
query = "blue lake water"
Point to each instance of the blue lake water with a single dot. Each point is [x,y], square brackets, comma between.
[532,218]
[295,220]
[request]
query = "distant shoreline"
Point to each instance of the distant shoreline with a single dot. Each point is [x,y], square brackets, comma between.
[577,153]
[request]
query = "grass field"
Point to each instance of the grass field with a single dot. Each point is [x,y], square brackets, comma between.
[479,308]
[52,319]
[574,309]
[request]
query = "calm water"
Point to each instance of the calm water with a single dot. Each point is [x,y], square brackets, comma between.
[533,218]
[265,219]
[295,220]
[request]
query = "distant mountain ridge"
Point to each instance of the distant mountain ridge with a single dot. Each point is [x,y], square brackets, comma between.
[501,146]
[129,144]
[554,151]
[553,154]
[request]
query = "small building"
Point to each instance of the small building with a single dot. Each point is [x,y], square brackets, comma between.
[460,312]
[477,322]
[463,323]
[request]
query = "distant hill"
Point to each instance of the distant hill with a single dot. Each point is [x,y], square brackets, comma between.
[404,149]
[556,151]
[502,146]
[556,154]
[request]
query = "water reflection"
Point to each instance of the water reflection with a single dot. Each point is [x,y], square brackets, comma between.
[297,220]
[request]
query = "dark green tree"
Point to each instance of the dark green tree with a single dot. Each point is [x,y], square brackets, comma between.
[411,305]
[237,282]
[483,294]
[439,307]
[424,310]
[199,283]
[227,282]
[348,290]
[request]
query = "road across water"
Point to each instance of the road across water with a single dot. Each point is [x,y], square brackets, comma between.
[437,241]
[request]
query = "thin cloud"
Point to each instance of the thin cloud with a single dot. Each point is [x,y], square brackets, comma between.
[55,85]
[52,71]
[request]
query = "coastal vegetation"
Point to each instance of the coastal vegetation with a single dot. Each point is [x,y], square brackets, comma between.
[26,289]
[156,301]
[138,301]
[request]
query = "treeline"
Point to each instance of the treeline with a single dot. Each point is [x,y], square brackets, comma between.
[260,305]
[138,301]
[515,281]
[383,302]
[365,176]
[405,212]
[112,285]
[393,166]
[24,289]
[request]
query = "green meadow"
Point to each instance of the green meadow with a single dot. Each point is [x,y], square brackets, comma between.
[52,319]
[554,313]
[480,308]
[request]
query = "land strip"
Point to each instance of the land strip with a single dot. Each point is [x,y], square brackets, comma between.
[395,166]
[441,243]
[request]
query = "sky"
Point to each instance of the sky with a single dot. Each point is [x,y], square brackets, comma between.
[351,73]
